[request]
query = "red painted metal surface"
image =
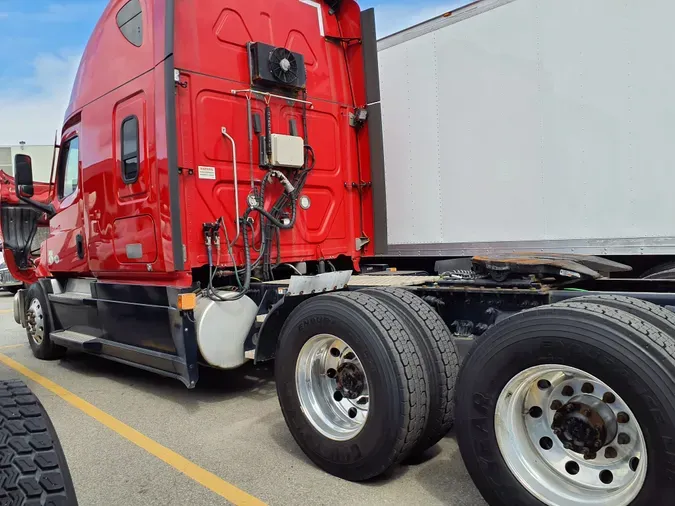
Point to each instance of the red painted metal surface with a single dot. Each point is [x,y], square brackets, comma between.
[117,79]
[212,58]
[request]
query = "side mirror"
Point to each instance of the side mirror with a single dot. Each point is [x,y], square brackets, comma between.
[23,175]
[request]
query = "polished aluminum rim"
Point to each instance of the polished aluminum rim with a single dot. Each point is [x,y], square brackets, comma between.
[569,438]
[36,321]
[332,387]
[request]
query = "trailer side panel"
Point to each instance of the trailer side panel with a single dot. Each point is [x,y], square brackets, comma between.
[526,124]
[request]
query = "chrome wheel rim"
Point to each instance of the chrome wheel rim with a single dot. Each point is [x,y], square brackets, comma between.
[36,321]
[332,387]
[550,421]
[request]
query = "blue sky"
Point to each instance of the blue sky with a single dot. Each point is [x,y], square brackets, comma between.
[41,42]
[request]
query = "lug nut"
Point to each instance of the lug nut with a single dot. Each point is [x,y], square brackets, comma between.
[623,438]
[557,431]
[622,417]
[556,405]
[610,452]
[331,373]
[568,446]
[608,398]
[586,412]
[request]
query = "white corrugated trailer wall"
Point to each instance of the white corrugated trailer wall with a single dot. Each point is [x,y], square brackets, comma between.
[532,124]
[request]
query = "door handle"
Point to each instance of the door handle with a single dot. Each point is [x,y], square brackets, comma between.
[80,246]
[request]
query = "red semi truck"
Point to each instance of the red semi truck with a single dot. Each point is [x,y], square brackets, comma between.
[219,198]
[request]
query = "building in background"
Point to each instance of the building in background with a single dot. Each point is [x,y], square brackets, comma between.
[41,156]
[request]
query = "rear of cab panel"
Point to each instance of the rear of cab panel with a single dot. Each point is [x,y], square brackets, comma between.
[212,58]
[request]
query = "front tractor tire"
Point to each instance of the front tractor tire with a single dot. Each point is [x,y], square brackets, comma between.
[39,325]
[570,404]
[351,384]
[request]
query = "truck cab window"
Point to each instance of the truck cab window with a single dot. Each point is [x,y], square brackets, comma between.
[69,174]
[130,22]
[130,150]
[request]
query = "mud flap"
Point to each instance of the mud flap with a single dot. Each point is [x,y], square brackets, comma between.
[19,231]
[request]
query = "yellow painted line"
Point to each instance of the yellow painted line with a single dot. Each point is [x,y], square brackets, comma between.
[10,346]
[185,466]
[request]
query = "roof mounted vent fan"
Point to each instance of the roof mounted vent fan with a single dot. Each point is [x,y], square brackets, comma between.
[284,66]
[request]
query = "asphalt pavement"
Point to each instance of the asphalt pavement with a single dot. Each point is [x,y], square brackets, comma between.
[229,428]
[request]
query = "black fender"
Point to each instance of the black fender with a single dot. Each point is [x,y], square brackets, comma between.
[268,335]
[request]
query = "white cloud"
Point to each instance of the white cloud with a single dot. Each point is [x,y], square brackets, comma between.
[391,18]
[33,110]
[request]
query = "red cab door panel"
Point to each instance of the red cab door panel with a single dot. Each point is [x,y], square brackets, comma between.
[65,249]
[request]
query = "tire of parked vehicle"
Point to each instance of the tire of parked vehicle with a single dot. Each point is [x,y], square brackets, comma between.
[570,404]
[438,352]
[33,466]
[351,384]
[39,325]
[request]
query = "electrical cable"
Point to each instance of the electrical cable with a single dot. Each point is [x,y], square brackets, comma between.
[291,266]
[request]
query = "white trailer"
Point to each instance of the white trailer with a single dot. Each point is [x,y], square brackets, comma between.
[531,125]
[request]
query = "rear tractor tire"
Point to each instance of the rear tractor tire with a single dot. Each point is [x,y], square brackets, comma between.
[39,325]
[660,317]
[438,352]
[570,404]
[351,384]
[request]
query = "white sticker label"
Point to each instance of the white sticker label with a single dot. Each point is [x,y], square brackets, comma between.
[207,172]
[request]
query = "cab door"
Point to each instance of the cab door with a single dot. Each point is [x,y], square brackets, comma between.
[66,245]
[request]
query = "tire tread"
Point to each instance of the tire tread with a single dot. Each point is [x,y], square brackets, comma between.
[652,313]
[33,469]
[441,351]
[648,330]
[409,363]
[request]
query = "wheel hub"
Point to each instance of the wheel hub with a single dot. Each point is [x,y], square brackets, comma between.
[570,439]
[584,425]
[35,321]
[350,380]
[332,387]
